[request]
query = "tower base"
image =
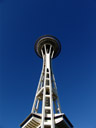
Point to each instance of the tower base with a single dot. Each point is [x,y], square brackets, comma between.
[34,121]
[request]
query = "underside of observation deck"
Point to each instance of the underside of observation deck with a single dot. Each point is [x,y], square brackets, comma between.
[48,40]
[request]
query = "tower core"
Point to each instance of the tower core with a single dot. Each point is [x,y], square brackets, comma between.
[46,111]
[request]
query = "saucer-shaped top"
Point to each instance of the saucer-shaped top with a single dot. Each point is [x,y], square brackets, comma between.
[47,40]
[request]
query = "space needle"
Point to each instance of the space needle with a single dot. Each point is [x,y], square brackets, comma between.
[46,111]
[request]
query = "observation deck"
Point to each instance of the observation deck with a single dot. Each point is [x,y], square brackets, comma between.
[47,40]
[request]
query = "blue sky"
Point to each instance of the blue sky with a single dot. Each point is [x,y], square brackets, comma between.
[74,24]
